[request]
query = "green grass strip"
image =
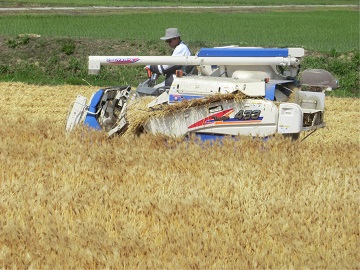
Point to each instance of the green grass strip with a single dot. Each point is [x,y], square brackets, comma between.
[175,2]
[318,31]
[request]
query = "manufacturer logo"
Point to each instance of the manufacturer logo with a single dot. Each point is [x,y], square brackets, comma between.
[242,117]
[122,61]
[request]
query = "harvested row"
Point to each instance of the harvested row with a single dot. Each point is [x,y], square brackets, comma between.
[84,201]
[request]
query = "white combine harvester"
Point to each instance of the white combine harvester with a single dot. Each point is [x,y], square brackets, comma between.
[264,77]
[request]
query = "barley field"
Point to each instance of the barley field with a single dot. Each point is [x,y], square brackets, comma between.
[87,202]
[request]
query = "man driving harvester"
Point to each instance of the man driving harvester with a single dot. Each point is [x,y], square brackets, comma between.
[172,37]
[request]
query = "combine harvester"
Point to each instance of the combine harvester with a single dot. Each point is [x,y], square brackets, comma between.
[263,77]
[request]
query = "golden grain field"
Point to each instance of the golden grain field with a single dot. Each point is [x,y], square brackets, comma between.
[88,202]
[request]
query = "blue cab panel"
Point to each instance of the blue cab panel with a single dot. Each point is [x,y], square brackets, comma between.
[243,52]
[90,119]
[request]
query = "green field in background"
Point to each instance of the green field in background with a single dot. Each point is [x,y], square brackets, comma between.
[175,2]
[318,31]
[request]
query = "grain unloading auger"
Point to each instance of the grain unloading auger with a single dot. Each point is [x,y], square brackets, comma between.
[228,91]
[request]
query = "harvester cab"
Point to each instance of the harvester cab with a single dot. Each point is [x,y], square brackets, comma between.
[234,91]
[150,87]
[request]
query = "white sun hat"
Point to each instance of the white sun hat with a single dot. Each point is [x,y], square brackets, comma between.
[171,33]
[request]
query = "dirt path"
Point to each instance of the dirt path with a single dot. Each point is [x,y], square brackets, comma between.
[97,9]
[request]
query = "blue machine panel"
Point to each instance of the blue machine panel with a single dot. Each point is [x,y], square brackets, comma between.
[243,52]
[178,98]
[90,119]
[210,137]
[270,91]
